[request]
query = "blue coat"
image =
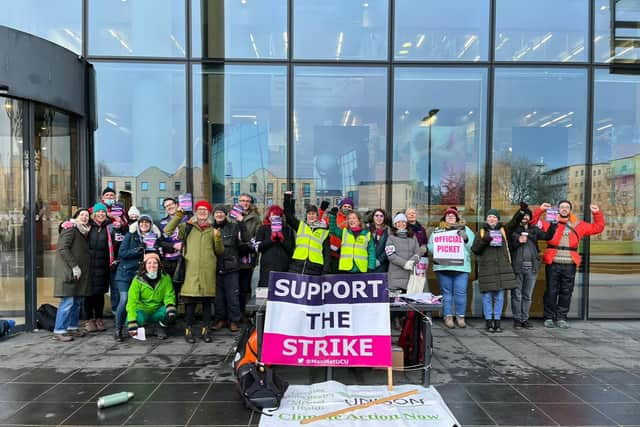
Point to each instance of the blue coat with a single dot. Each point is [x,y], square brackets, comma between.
[131,254]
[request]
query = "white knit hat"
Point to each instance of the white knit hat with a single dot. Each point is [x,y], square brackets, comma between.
[133,211]
[400,217]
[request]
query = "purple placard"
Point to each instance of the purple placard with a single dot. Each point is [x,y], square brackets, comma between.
[552,215]
[305,289]
[235,211]
[276,223]
[496,238]
[117,210]
[185,202]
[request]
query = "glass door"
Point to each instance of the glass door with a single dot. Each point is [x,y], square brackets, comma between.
[12,210]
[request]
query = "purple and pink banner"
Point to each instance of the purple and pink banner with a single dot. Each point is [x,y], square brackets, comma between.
[329,320]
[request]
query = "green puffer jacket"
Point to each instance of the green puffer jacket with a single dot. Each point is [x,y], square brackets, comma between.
[142,296]
[203,247]
[494,262]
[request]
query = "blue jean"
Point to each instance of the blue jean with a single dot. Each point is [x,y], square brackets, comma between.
[492,303]
[521,296]
[121,311]
[68,315]
[454,291]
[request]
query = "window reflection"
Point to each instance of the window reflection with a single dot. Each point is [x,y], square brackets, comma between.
[339,131]
[55,151]
[142,128]
[59,21]
[547,30]
[539,148]
[457,140]
[625,48]
[12,208]
[436,30]
[239,132]
[239,29]
[614,272]
[137,28]
[338,29]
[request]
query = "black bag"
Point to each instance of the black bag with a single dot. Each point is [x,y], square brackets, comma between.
[260,387]
[181,267]
[46,317]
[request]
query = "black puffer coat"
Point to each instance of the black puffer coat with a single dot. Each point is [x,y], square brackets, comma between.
[494,262]
[99,251]
[275,256]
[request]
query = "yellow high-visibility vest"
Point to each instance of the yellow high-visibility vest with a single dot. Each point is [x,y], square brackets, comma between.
[309,243]
[354,249]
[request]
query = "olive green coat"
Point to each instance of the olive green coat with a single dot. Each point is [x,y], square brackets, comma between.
[203,248]
[73,249]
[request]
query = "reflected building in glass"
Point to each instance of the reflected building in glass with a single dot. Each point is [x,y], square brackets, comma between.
[328,100]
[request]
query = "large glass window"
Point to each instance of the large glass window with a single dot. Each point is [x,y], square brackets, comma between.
[59,21]
[339,132]
[239,131]
[626,48]
[142,127]
[338,29]
[614,274]
[239,29]
[137,28]
[12,208]
[439,158]
[436,30]
[545,30]
[539,145]
[55,151]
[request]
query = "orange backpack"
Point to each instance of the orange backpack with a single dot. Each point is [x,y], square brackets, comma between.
[247,348]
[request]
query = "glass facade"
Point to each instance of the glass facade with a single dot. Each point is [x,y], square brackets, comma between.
[332,99]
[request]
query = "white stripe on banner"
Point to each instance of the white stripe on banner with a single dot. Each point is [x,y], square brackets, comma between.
[424,408]
[324,320]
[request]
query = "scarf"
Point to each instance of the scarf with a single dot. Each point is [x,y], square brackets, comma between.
[402,233]
[82,228]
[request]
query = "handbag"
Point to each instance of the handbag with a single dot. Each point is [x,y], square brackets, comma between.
[416,284]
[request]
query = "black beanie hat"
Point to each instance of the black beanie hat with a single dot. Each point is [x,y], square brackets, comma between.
[312,208]
[108,190]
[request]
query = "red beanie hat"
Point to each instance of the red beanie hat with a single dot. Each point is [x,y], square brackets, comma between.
[204,204]
[451,210]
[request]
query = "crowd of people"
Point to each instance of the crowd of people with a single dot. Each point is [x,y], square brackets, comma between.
[205,256]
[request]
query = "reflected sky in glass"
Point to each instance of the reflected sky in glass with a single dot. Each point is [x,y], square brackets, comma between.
[457,136]
[545,30]
[141,126]
[540,134]
[239,29]
[137,28]
[239,129]
[338,29]
[436,30]
[339,130]
[59,21]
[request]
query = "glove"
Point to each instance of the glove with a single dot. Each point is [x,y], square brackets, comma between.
[377,263]
[463,234]
[76,272]
[334,210]
[390,250]
[523,206]
[324,205]
[409,265]
[133,328]
[487,237]
[67,224]
[171,313]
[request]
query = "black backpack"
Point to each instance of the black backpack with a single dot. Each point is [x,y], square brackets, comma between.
[260,387]
[46,317]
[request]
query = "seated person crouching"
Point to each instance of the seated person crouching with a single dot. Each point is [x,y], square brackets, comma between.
[151,297]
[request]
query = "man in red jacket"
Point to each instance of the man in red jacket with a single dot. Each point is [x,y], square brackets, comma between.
[562,259]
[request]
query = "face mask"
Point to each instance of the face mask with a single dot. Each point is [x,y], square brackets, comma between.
[109,202]
[152,275]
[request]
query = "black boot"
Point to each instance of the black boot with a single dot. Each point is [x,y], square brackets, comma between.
[489,325]
[119,336]
[162,332]
[188,335]
[205,334]
[496,326]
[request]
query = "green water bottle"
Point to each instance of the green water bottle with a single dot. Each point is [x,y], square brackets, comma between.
[114,399]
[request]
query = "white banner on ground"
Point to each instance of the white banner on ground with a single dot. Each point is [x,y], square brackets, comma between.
[425,408]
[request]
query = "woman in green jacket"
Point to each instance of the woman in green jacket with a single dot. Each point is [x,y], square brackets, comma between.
[202,245]
[151,298]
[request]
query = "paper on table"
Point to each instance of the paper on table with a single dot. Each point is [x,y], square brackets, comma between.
[140,335]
